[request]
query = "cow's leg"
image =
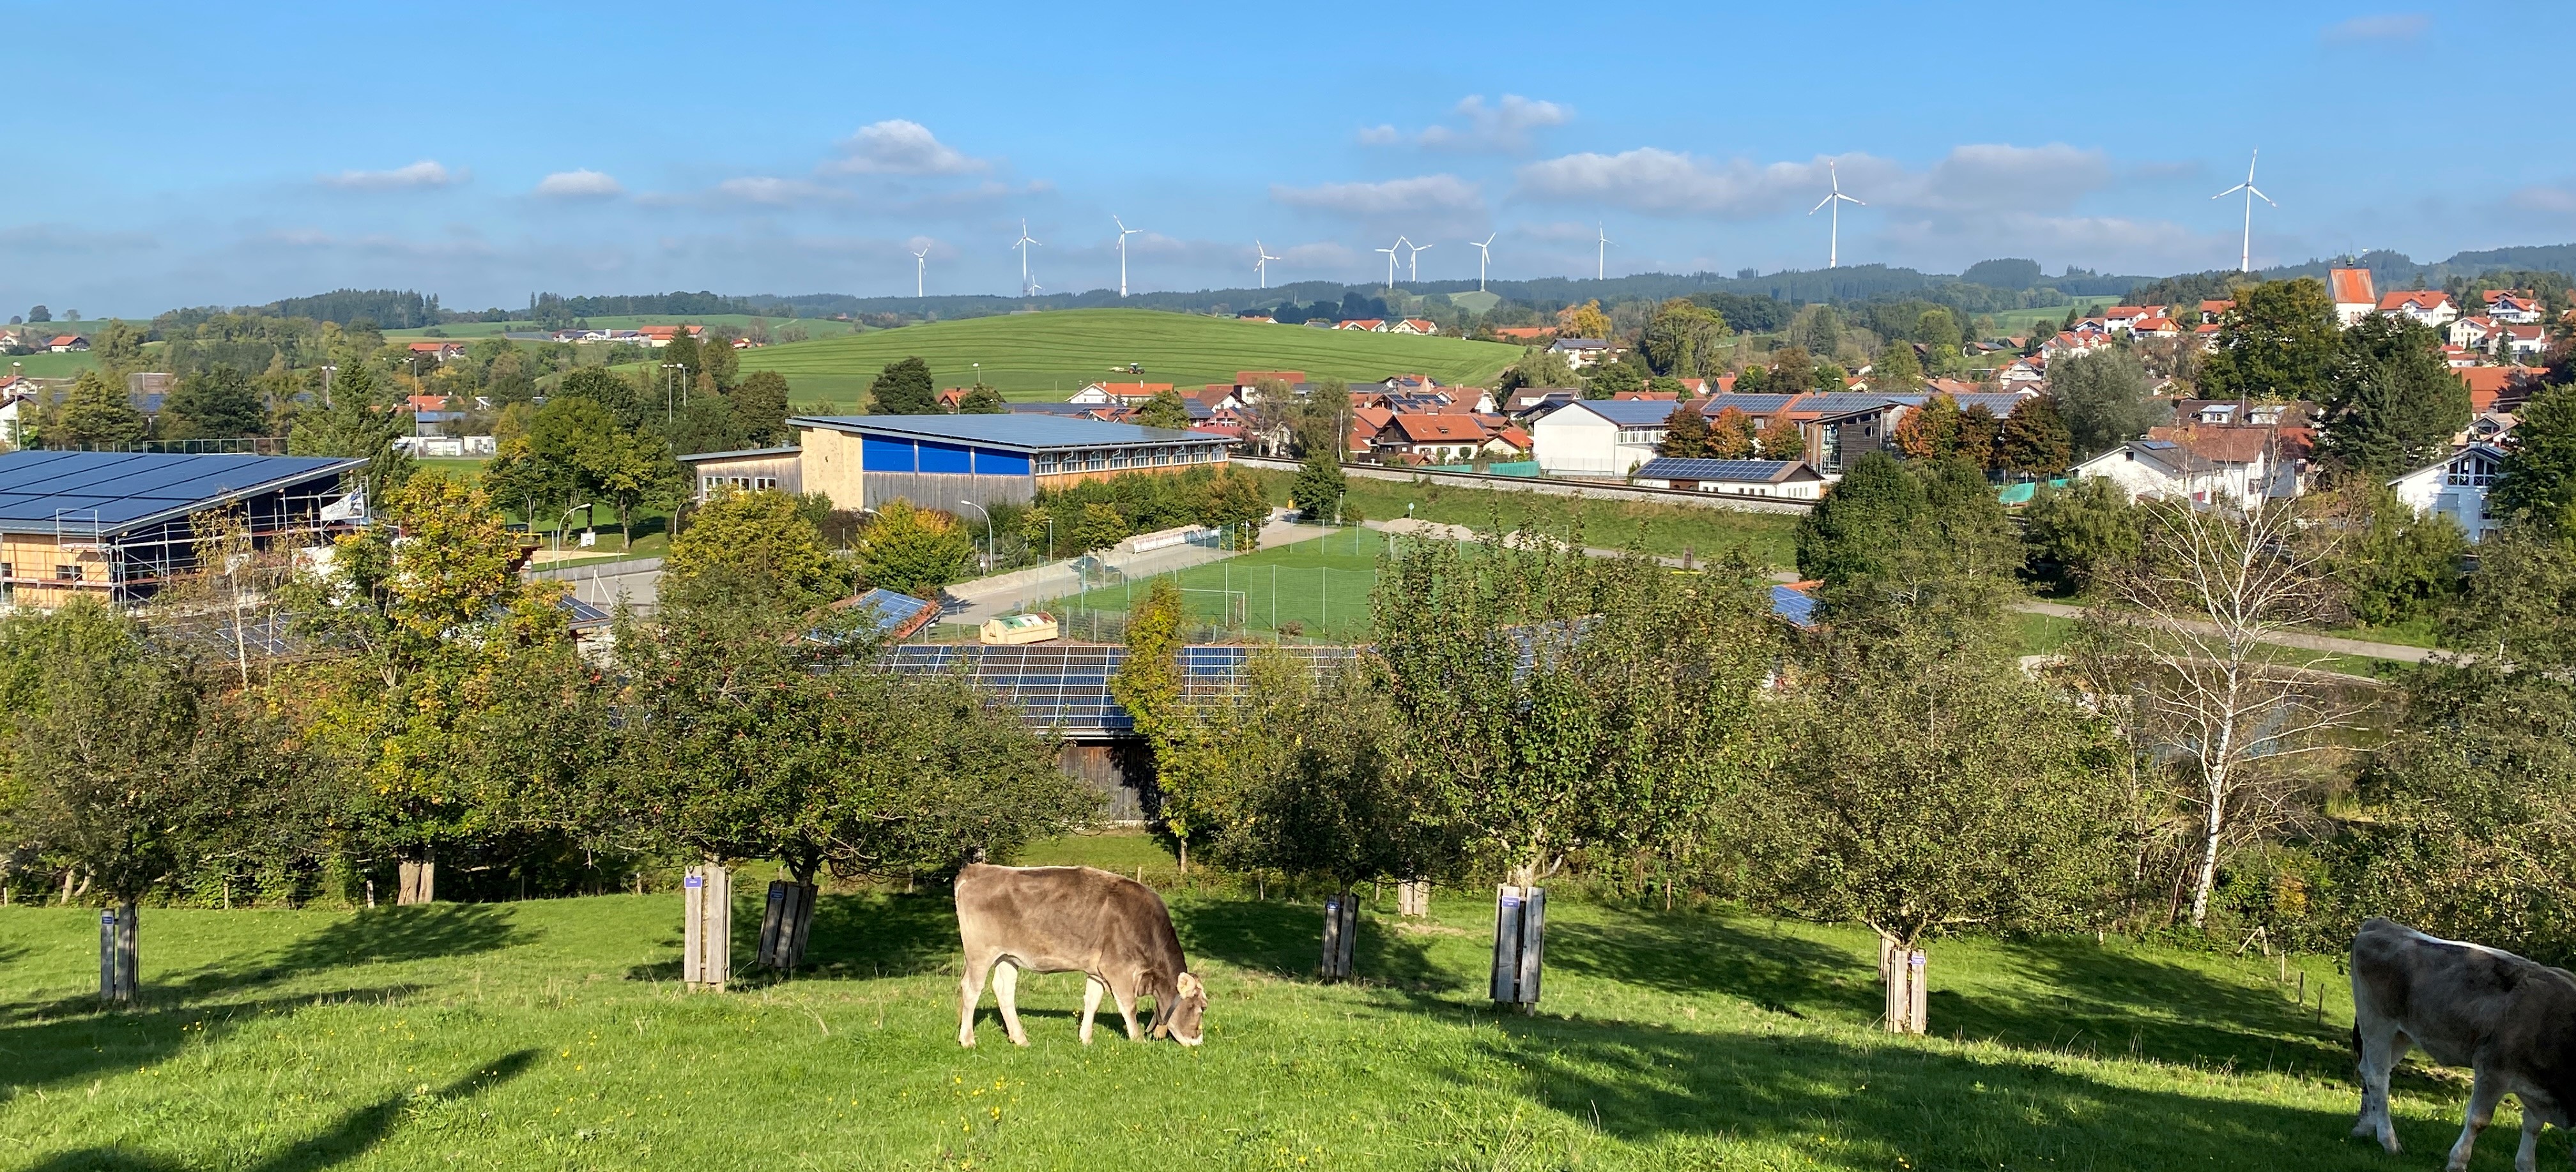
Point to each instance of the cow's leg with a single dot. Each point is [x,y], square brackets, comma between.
[1006,992]
[1126,998]
[2381,1047]
[1091,991]
[971,990]
[2527,1157]
[2484,1094]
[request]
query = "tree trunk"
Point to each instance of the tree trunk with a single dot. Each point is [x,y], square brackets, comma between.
[419,880]
[2213,825]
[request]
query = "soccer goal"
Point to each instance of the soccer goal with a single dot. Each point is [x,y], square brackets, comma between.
[1224,608]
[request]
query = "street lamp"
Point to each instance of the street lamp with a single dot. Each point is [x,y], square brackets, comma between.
[988,531]
[327,371]
[560,524]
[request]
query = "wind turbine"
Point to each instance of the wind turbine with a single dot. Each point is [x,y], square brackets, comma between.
[1484,253]
[1123,233]
[920,270]
[1836,200]
[1390,259]
[1601,255]
[2245,260]
[1261,259]
[1024,243]
[1415,259]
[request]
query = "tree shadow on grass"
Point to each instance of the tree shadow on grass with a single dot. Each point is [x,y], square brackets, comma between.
[352,1136]
[854,936]
[1850,1105]
[1287,939]
[387,935]
[1690,953]
[70,1039]
[2087,999]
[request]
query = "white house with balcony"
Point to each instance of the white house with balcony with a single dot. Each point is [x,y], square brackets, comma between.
[2455,487]
[1599,437]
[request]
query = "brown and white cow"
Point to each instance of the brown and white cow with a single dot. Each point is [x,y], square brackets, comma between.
[2511,1021]
[1114,931]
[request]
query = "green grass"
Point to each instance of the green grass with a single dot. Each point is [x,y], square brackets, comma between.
[1660,529]
[49,365]
[552,1034]
[1320,586]
[814,327]
[1038,356]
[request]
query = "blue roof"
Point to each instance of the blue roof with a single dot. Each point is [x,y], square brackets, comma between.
[1793,604]
[694,457]
[1025,432]
[1751,403]
[1674,468]
[1065,686]
[1837,402]
[893,611]
[1630,412]
[116,491]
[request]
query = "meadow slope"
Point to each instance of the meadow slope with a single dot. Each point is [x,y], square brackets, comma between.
[1036,356]
[551,1034]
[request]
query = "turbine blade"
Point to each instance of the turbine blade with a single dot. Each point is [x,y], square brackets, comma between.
[2258,194]
[2230,191]
[1820,205]
[1848,199]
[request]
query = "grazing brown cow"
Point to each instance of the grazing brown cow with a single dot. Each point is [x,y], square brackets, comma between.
[1112,930]
[2511,1021]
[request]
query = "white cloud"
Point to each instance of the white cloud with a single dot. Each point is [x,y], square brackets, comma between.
[2395,26]
[1447,194]
[898,146]
[1503,127]
[580,184]
[425,173]
[1973,178]
[2548,201]
[775,192]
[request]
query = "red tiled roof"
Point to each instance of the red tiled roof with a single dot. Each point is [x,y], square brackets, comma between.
[2351,287]
[1422,429]
[1661,395]
[426,402]
[1245,378]
[1360,323]
[2425,299]
[1514,436]
[1135,390]
[1528,333]
[2488,384]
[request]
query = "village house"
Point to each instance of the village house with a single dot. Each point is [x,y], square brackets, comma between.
[1121,394]
[2430,307]
[438,351]
[1582,352]
[1372,325]
[2354,295]
[1414,325]
[1598,438]
[1430,439]
[68,344]
[1784,479]
[2455,487]
[660,336]
[2519,306]
[2236,466]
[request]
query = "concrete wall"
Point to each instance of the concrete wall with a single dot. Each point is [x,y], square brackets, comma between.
[1595,490]
[828,463]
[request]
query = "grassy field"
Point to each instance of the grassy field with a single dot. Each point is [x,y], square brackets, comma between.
[1038,356]
[552,1034]
[814,327]
[1318,587]
[1661,529]
[48,365]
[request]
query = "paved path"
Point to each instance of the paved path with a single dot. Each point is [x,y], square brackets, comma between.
[604,584]
[984,600]
[2299,639]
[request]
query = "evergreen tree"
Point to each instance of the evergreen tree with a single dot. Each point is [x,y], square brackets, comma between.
[2539,475]
[2393,404]
[96,415]
[217,402]
[1318,489]
[904,388]
[1850,533]
[760,409]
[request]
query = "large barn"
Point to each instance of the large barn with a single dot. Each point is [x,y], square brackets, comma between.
[936,461]
[119,524]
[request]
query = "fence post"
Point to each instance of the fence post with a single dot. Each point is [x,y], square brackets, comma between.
[119,953]
[1520,924]
[1413,897]
[1341,929]
[706,932]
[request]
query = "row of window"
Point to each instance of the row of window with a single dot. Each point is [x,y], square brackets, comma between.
[708,484]
[63,572]
[1106,459]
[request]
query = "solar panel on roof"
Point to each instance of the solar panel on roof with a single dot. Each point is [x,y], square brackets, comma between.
[1678,468]
[893,611]
[113,489]
[1794,605]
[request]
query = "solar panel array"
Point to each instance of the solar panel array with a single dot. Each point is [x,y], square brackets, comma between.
[1793,604]
[107,491]
[894,612]
[1676,468]
[1065,686]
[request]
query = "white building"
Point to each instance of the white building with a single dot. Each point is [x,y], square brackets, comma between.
[2235,466]
[1581,352]
[2430,307]
[1781,479]
[2355,297]
[2456,487]
[1599,437]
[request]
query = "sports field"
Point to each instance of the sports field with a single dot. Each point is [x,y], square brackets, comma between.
[1039,356]
[1318,587]
[553,1035]
[1660,529]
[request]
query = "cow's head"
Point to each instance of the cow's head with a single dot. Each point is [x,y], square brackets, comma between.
[1187,1009]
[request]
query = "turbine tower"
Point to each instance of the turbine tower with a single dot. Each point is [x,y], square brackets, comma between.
[1601,255]
[1484,254]
[1261,259]
[1836,200]
[1390,260]
[1024,243]
[2245,260]
[1123,233]
[920,270]
[1414,259]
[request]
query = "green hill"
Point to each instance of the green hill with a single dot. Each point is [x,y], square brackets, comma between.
[1037,356]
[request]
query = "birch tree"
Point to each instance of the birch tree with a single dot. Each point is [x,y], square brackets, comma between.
[2188,633]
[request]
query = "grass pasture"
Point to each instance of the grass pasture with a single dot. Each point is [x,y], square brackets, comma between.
[551,1034]
[1038,356]
[1320,586]
[49,365]
[1660,529]
[814,327]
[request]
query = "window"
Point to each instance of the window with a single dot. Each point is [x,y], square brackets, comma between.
[1118,457]
[1042,464]
[67,573]
[7,570]
[1162,456]
[1095,459]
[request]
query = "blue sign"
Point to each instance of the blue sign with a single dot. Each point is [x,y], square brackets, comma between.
[695,881]
[1332,905]
[1511,901]
[107,918]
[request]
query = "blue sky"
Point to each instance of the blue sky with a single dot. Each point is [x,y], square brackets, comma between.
[193,155]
